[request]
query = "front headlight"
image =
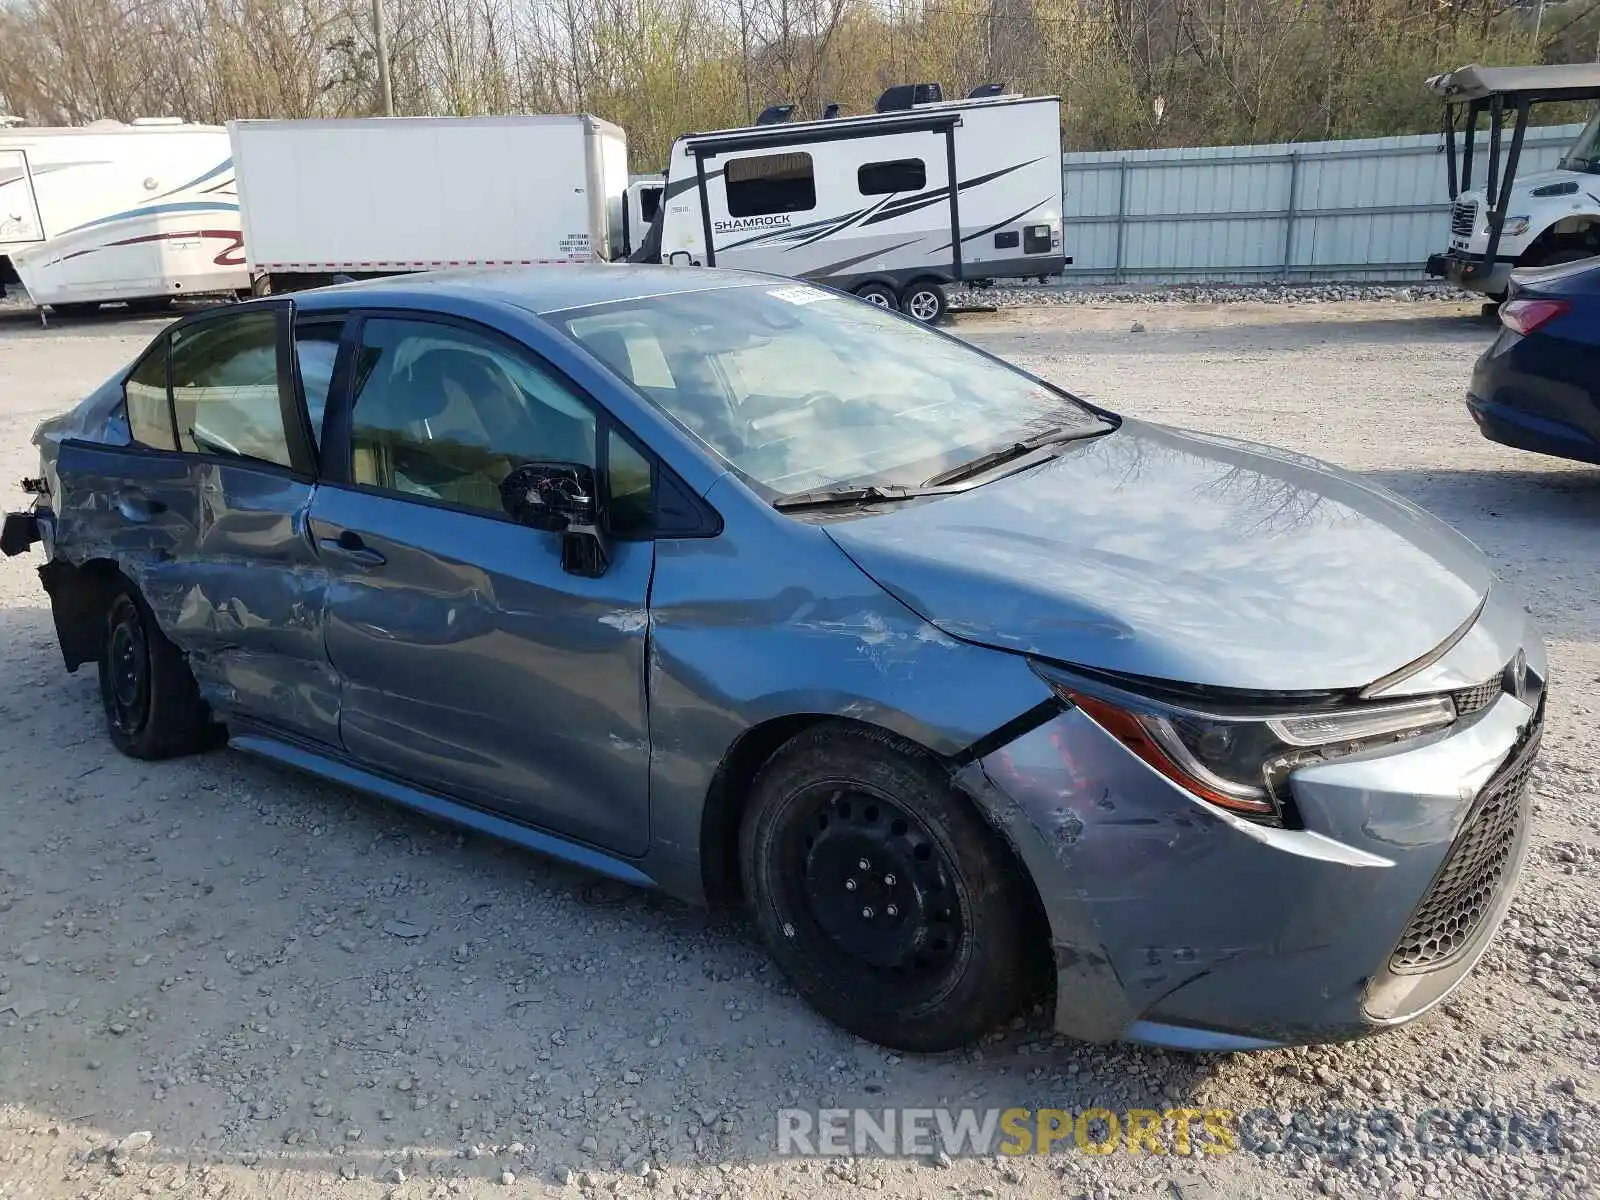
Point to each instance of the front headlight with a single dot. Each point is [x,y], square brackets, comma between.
[1241,762]
[1514,227]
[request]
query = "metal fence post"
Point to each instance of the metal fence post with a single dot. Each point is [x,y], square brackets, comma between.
[1122,212]
[1288,214]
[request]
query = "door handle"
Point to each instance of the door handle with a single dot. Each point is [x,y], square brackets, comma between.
[134,505]
[349,546]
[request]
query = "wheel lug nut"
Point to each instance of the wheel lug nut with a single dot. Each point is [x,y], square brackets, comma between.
[888,881]
[864,865]
[849,885]
[891,911]
[867,913]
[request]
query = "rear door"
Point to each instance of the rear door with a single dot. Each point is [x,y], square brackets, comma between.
[19,207]
[844,207]
[206,511]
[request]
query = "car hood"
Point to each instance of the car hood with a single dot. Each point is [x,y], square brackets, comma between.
[1181,556]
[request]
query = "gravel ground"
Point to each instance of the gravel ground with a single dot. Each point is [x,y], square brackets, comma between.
[220,978]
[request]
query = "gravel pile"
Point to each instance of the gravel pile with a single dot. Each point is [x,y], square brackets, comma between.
[1035,295]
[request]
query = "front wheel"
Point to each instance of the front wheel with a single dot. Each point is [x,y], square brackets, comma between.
[925,301]
[882,894]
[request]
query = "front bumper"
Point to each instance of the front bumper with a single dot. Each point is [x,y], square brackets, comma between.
[1181,925]
[1471,272]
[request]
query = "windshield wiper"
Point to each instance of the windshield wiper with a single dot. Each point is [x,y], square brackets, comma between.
[871,493]
[977,466]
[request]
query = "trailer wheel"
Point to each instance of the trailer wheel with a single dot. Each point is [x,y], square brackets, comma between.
[880,294]
[261,285]
[925,301]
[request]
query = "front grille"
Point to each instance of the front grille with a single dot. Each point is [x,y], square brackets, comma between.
[1463,216]
[1475,869]
[1476,699]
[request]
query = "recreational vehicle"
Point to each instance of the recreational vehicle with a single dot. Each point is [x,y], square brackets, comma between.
[140,212]
[422,193]
[892,206]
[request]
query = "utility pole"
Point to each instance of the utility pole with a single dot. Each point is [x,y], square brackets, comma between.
[382,40]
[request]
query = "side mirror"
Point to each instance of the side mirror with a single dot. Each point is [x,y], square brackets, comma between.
[561,497]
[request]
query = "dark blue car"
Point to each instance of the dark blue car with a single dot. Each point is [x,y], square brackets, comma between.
[1538,386]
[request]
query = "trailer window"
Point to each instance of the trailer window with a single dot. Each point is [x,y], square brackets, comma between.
[883,178]
[145,396]
[772,183]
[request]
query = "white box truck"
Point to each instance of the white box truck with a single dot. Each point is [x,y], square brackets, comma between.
[367,196]
[140,212]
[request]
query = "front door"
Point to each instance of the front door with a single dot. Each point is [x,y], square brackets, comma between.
[470,662]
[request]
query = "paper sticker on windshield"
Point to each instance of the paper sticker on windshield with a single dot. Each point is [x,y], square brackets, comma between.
[798,295]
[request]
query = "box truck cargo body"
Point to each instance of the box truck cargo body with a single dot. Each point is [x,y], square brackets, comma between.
[383,195]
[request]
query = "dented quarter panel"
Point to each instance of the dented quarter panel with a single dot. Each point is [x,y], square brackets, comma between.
[771,620]
[219,551]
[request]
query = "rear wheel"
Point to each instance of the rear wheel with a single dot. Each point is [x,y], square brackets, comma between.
[152,704]
[879,294]
[894,909]
[925,301]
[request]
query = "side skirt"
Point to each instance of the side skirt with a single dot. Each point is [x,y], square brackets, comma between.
[255,741]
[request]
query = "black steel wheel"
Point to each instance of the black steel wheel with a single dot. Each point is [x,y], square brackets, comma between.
[882,893]
[125,682]
[152,704]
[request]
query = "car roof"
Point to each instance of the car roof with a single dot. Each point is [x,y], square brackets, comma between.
[538,289]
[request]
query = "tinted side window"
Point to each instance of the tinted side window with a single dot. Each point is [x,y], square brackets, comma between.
[773,183]
[443,413]
[316,347]
[145,395]
[901,175]
[629,486]
[649,203]
[225,387]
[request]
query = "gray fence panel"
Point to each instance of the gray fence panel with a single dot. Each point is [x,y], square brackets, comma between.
[1360,210]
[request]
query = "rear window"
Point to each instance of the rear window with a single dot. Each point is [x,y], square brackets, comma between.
[145,395]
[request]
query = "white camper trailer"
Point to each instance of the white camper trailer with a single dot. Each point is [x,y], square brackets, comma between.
[385,195]
[891,206]
[106,212]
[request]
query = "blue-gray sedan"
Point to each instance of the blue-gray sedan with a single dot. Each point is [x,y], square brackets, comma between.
[735,587]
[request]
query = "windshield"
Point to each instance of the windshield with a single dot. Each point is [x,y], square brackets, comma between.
[797,388]
[1585,152]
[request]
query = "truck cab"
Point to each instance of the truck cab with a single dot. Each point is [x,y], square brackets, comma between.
[1508,221]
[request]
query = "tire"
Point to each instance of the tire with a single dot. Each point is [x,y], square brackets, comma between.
[879,294]
[925,301]
[261,285]
[152,704]
[88,309]
[937,954]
